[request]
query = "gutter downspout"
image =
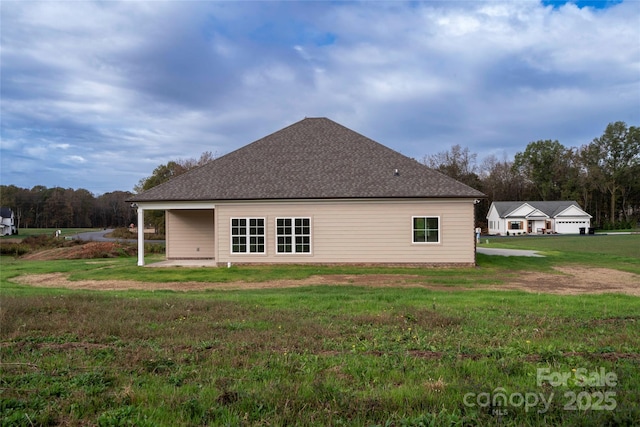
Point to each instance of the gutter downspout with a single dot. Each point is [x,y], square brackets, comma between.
[140,237]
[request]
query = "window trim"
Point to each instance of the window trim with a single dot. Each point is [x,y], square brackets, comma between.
[248,236]
[413,230]
[294,235]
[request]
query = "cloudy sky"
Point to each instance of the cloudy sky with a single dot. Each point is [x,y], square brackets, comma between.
[95,95]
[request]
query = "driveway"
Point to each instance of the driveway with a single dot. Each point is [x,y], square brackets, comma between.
[507,252]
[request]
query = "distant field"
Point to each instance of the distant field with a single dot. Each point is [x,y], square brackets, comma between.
[25,232]
[445,353]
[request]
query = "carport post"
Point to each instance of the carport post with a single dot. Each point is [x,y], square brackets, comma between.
[140,237]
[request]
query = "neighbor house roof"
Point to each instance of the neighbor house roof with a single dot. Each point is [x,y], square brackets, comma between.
[314,158]
[5,212]
[550,208]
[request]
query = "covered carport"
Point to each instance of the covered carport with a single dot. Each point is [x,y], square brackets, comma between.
[190,229]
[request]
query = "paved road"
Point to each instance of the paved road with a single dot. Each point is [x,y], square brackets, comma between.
[98,236]
[507,252]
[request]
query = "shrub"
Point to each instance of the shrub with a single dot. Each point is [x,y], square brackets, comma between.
[14,249]
[153,248]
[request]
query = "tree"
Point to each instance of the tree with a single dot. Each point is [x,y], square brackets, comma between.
[164,173]
[58,209]
[112,210]
[545,164]
[82,202]
[612,158]
[458,163]
[500,180]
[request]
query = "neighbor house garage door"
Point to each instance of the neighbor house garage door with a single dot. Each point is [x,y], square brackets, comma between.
[570,226]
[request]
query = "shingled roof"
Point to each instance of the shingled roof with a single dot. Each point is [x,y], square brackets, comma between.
[549,208]
[315,158]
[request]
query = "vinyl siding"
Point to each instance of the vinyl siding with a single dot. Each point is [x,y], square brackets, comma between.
[357,231]
[189,234]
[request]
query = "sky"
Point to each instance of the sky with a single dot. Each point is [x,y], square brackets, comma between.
[96,95]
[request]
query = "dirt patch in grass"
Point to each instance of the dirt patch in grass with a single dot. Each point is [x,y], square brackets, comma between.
[567,280]
[575,280]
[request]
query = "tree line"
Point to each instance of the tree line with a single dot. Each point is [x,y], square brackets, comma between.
[42,207]
[603,176]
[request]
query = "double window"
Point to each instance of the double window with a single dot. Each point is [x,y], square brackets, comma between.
[247,235]
[293,235]
[426,229]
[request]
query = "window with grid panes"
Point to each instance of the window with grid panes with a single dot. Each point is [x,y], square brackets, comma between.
[426,229]
[293,235]
[247,235]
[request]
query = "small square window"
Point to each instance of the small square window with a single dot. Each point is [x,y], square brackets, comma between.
[426,229]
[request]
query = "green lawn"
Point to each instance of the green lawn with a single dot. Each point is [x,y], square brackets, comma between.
[321,355]
[614,251]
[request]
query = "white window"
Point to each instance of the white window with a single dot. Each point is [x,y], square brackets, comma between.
[293,235]
[247,235]
[426,229]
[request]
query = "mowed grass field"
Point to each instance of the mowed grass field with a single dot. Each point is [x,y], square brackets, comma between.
[445,353]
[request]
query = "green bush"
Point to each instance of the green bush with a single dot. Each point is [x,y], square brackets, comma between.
[14,249]
[154,248]
[620,225]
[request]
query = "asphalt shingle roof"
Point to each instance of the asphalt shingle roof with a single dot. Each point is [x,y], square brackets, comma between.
[551,208]
[315,158]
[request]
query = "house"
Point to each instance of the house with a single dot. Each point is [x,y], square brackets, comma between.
[514,218]
[315,192]
[7,222]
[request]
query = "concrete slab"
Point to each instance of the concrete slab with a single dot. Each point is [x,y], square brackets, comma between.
[184,263]
[508,252]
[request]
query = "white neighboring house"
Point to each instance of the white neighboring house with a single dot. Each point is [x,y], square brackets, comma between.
[7,222]
[515,218]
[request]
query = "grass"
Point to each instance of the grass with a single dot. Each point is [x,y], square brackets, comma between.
[611,251]
[329,355]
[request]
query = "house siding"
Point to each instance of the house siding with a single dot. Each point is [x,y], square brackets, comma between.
[190,234]
[356,231]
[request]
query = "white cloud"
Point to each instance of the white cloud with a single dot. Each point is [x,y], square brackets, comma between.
[73,159]
[37,151]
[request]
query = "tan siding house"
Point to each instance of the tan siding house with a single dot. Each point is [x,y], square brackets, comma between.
[316,192]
